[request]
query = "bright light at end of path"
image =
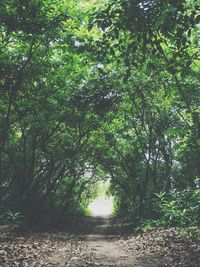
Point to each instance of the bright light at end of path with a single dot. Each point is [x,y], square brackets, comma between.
[101,206]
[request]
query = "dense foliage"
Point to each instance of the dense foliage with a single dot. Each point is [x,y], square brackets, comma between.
[95,90]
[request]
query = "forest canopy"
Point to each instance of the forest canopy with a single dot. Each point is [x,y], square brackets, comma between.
[96,90]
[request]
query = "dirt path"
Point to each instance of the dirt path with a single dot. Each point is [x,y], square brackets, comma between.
[104,250]
[92,242]
[99,247]
[95,241]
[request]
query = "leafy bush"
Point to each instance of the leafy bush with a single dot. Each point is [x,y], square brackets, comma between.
[15,219]
[179,208]
[83,210]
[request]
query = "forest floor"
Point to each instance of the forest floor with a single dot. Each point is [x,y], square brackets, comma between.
[97,241]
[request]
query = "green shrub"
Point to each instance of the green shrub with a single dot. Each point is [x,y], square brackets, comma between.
[15,219]
[179,208]
[83,210]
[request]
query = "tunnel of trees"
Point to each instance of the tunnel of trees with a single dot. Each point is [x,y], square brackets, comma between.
[94,90]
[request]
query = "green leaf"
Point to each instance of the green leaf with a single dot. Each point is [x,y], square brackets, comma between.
[172,131]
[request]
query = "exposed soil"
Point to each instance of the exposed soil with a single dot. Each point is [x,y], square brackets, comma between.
[96,241]
[106,252]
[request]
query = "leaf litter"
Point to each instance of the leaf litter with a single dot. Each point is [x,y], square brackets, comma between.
[171,247]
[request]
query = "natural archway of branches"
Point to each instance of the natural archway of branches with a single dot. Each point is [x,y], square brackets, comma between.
[99,90]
